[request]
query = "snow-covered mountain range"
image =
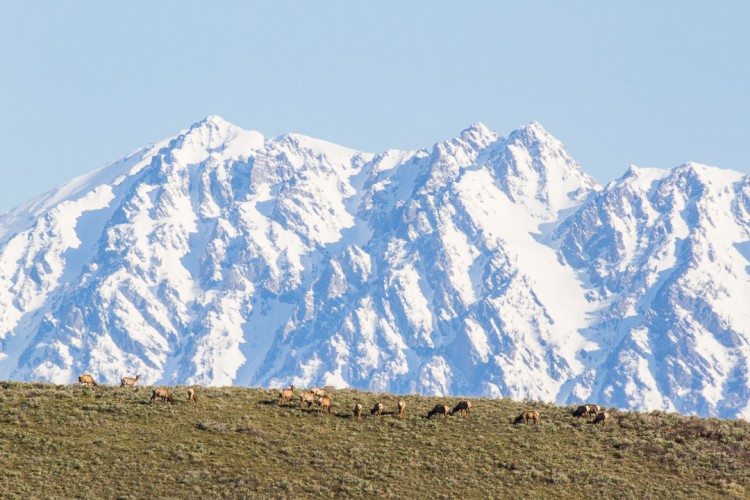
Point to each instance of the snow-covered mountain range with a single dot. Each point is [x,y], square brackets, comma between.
[484,265]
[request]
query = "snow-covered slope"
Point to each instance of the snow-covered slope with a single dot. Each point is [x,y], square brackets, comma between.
[483,265]
[667,254]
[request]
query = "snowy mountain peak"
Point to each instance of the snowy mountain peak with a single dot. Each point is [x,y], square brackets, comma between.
[536,171]
[214,134]
[686,175]
[215,128]
[643,177]
[213,121]
[531,133]
[479,135]
[314,146]
[708,172]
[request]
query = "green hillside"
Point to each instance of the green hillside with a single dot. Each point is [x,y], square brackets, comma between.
[65,441]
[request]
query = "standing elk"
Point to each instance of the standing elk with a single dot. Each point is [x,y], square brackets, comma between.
[325,404]
[129,381]
[462,407]
[439,410]
[358,411]
[307,397]
[286,394]
[86,379]
[161,393]
[401,409]
[377,410]
[527,415]
[191,396]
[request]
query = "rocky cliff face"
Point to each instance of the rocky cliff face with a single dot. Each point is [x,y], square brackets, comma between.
[483,266]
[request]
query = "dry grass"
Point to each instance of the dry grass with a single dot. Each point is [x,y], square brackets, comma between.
[72,441]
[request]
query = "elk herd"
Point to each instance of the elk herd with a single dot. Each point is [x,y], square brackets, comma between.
[160,393]
[592,410]
[322,401]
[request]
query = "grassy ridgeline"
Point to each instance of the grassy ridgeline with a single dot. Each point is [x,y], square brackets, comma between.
[105,441]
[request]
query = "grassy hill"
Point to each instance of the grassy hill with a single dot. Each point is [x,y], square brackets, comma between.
[66,441]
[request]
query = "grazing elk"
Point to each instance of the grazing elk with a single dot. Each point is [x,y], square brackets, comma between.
[377,410]
[161,393]
[286,394]
[358,411]
[129,381]
[462,407]
[581,411]
[324,403]
[602,417]
[401,409]
[318,392]
[86,379]
[527,415]
[191,395]
[307,397]
[439,410]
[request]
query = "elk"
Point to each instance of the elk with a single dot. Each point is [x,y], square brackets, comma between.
[602,417]
[286,394]
[593,409]
[439,410]
[161,393]
[527,415]
[581,411]
[325,404]
[462,407]
[129,381]
[86,379]
[307,397]
[358,411]
[318,392]
[402,408]
[191,395]
[377,410]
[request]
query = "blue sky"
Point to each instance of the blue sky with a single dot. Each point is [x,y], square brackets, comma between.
[619,83]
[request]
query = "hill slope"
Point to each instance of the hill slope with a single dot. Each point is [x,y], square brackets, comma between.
[106,442]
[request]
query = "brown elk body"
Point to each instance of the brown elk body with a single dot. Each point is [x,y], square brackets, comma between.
[286,394]
[318,392]
[86,379]
[462,407]
[439,410]
[161,393]
[325,404]
[401,408]
[377,410]
[581,411]
[594,410]
[307,397]
[527,415]
[358,411]
[191,395]
[602,417]
[129,381]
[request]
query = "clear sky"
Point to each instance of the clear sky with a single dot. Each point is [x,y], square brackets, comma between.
[651,83]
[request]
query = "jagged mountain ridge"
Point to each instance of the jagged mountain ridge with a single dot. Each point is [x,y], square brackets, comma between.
[484,266]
